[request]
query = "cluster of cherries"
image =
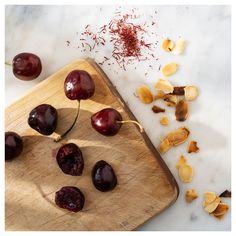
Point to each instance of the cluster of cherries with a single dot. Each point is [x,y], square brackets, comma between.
[78,86]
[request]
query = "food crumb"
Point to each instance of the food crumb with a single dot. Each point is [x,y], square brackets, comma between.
[164,120]
[157,109]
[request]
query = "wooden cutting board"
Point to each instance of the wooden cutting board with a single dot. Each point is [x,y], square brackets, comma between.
[145,185]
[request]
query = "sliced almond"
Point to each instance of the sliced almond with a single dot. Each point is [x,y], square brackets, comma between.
[157,109]
[226,193]
[160,94]
[185,173]
[190,195]
[192,147]
[169,69]
[174,138]
[165,145]
[181,161]
[213,205]
[164,85]
[144,94]
[191,92]
[209,197]
[179,47]
[168,45]
[164,120]
[181,110]
[221,210]
[170,100]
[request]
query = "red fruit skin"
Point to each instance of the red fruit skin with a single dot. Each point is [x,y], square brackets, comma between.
[105,121]
[79,85]
[26,66]
[13,145]
[70,198]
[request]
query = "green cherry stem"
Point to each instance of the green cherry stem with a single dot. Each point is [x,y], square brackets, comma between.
[132,121]
[60,137]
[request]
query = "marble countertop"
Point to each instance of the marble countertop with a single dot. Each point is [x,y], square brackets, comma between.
[44,30]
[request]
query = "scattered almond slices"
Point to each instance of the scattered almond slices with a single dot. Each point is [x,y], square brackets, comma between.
[168,45]
[174,138]
[181,110]
[213,205]
[164,120]
[190,195]
[192,147]
[169,69]
[178,90]
[191,92]
[179,47]
[144,94]
[160,94]
[175,48]
[170,100]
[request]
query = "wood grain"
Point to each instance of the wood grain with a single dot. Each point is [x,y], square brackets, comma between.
[145,185]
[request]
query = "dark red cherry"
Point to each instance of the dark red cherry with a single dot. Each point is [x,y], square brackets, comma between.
[79,85]
[70,159]
[13,145]
[43,119]
[26,66]
[70,198]
[103,176]
[107,121]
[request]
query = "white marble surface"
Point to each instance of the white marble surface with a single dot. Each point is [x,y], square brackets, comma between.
[206,63]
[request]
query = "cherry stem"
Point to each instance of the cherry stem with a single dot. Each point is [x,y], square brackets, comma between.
[8,63]
[132,121]
[60,137]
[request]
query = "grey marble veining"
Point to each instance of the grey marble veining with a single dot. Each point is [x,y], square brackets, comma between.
[44,30]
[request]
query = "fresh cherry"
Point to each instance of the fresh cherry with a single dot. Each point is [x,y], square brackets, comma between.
[13,145]
[103,176]
[43,119]
[78,85]
[109,121]
[70,159]
[26,66]
[70,198]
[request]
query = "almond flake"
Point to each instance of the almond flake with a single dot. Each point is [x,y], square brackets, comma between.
[209,197]
[170,100]
[191,92]
[181,110]
[181,161]
[164,85]
[213,205]
[164,120]
[144,94]
[169,69]
[168,45]
[179,47]
[185,173]
[190,195]
[192,147]
[221,209]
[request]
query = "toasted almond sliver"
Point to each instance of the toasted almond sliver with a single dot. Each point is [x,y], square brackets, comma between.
[179,48]
[192,147]
[181,161]
[185,173]
[144,94]
[168,45]
[164,146]
[181,110]
[191,92]
[221,209]
[213,205]
[209,197]
[164,86]
[169,69]
[164,120]
[170,100]
[174,138]
[190,195]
